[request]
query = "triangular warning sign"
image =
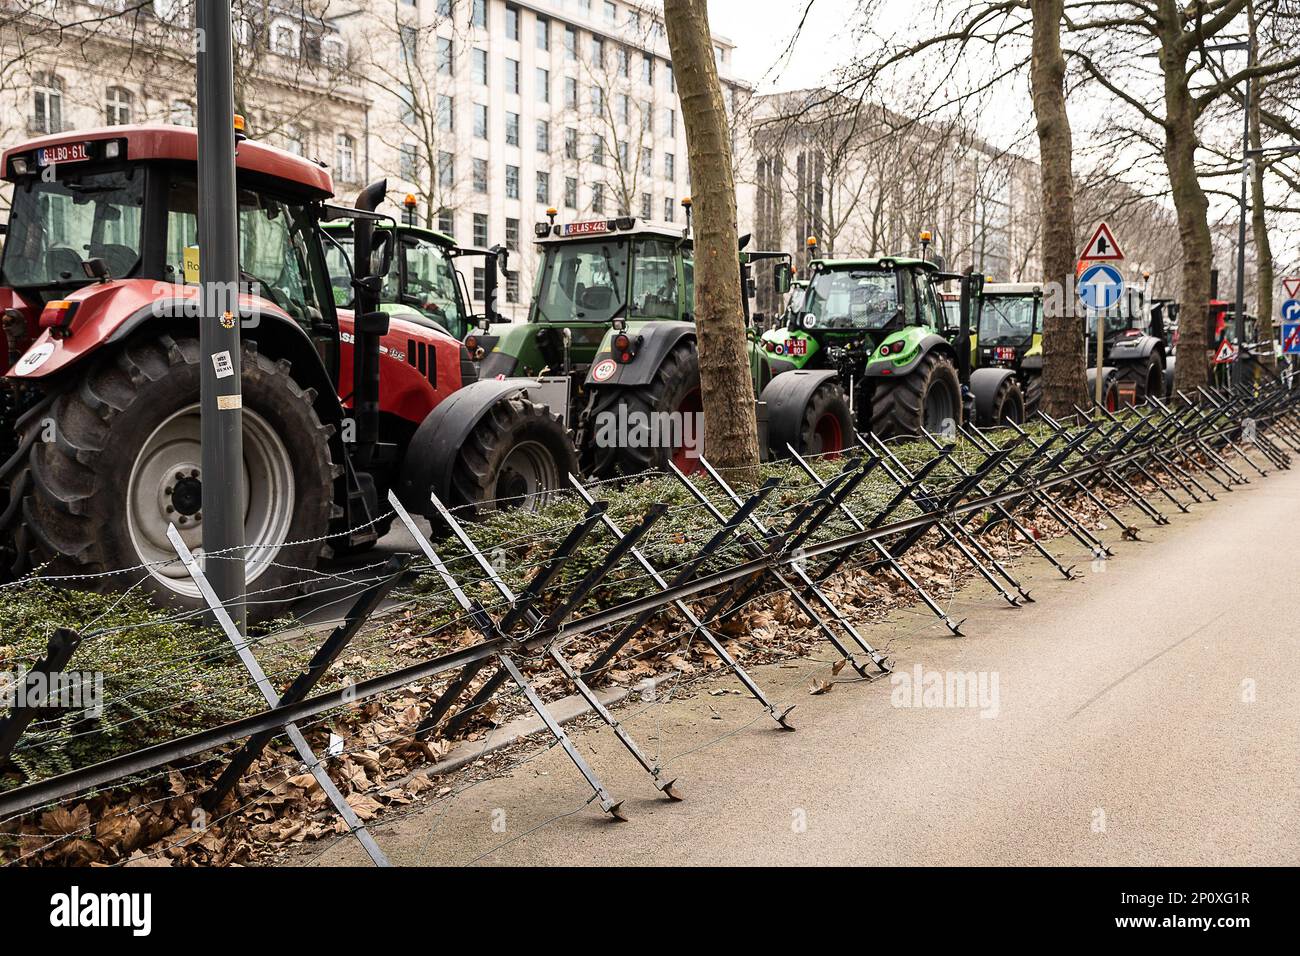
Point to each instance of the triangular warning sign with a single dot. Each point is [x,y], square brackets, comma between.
[1102,246]
[1227,353]
[1292,287]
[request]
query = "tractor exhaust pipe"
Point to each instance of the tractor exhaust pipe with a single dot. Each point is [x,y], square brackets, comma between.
[370,326]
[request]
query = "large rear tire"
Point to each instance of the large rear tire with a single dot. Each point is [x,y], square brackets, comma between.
[929,398]
[1033,394]
[517,456]
[1008,404]
[624,442]
[1147,376]
[125,463]
[827,427]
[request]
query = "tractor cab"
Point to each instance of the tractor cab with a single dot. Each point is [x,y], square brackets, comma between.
[1010,323]
[1130,346]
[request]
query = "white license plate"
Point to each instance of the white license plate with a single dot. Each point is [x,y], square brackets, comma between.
[67,153]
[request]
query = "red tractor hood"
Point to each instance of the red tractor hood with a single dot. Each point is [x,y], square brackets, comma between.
[106,311]
[419,366]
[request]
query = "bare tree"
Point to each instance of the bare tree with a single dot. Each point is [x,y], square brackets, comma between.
[725,383]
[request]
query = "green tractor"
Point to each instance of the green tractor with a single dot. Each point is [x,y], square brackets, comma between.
[1134,351]
[422,284]
[1010,335]
[611,342]
[878,329]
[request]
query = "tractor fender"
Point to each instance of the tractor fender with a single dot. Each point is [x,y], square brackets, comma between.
[984,384]
[786,397]
[1032,363]
[878,368]
[652,342]
[1146,345]
[1108,372]
[431,455]
[1169,374]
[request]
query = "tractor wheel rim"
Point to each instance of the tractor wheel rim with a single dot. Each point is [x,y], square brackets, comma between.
[164,487]
[687,433]
[828,436]
[528,477]
[938,409]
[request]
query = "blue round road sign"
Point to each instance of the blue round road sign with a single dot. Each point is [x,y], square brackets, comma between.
[1291,310]
[1100,286]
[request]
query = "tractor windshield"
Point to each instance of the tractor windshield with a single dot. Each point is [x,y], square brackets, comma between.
[1008,320]
[431,284]
[56,225]
[852,300]
[586,281]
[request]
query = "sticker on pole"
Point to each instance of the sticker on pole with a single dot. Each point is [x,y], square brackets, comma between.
[222,364]
[1100,286]
[1102,247]
[1291,338]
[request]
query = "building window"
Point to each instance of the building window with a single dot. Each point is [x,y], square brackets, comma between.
[597,101]
[570,143]
[446,113]
[543,85]
[117,106]
[647,161]
[670,123]
[672,80]
[543,136]
[647,203]
[719,55]
[647,69]
[670,167]
[334,52]
[478,14]
[410,162]
[543,33]
[446,221]
[668,209]
[624,60]
[408,43]
[182,113]
[480,68]
[512,76]
[512,182]
[512,234]
[292,141]
[446,169]
[512,129]
[512,285]
[544,188]
[480,175]
[407,97]
[480,229]
[286,38]
[625,109]
[512,22]
[611,12]
[47,104]
[444,55]
[624,160]
[597,151]
[570,192]
[597,52]
[480,279]
[570,93]
[443,9]
[345,157]
[598,198]
[480,121]
[570,43]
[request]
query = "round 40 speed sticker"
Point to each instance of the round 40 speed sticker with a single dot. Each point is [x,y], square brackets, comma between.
[34,358]
[603,370]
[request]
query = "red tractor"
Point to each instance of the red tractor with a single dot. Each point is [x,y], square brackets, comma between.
[99,415]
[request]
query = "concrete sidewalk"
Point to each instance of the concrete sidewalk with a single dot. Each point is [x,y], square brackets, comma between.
[1146,714]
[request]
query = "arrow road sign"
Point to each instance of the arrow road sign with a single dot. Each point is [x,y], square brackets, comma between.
[1291,310]
[1100,286]
[1102,247]
[1291,339]
[1291,286]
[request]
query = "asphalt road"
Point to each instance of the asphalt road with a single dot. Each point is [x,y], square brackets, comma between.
[1148,713]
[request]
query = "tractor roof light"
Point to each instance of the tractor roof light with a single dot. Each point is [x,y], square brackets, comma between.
[409,202]
[541,230]
[241,128]
[20,166]
[925,235]
[686,202]
[625,222]
[113,149]
[811,242]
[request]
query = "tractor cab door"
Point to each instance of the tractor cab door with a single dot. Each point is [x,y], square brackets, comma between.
[428,283]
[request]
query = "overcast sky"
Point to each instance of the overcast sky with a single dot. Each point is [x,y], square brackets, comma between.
[761,29]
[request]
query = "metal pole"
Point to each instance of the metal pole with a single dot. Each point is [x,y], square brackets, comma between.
[220,401]
[1236,370]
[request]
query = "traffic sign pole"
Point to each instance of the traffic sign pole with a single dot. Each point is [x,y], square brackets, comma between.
[220,397]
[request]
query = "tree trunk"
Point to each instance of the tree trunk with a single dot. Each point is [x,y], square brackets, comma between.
[727,389]
[1190,203]
[1064,382]
[1259,228]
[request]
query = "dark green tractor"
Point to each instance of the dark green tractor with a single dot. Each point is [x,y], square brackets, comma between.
[611,336]
[879,326]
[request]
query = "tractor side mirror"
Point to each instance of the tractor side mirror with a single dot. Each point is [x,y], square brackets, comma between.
[938,260]
[782,277]
[381,254]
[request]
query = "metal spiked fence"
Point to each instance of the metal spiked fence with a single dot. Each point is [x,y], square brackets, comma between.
[688,568]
